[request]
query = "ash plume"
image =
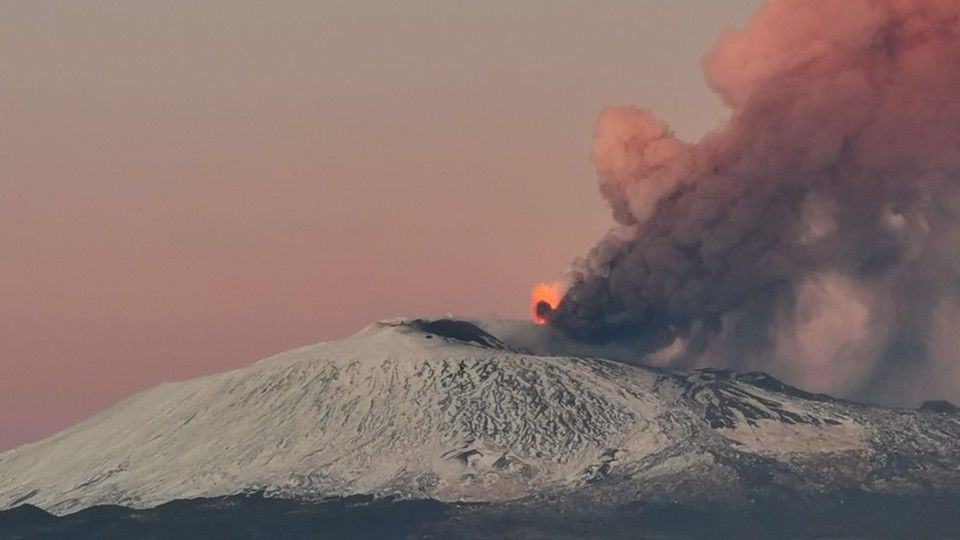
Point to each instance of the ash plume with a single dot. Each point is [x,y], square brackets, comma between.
[816,233]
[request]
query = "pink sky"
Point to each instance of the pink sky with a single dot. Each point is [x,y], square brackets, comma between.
[186,188]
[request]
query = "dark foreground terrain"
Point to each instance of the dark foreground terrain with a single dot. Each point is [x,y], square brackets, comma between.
[842,515]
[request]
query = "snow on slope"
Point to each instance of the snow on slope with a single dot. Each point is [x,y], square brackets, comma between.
[442,409]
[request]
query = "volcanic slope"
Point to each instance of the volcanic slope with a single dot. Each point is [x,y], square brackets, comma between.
[442,409]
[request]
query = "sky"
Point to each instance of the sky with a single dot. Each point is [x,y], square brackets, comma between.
[188,187]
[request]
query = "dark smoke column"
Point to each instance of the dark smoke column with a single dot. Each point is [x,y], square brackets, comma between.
[816,234]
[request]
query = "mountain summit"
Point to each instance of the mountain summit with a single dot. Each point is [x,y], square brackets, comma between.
[443,409]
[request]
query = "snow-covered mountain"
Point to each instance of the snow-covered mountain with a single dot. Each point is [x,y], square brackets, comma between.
[445,410]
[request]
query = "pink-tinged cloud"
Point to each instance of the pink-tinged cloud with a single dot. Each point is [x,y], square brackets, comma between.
[816,233]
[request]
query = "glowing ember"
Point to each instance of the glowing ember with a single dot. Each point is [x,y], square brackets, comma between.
[545,298]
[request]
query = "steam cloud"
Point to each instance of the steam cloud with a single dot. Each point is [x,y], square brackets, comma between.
[814,235]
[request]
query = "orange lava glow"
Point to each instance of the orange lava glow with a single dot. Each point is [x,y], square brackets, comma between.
[550,293]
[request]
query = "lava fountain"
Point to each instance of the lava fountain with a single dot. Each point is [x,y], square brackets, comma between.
[544,299]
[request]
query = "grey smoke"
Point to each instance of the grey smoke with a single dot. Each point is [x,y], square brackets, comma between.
[814,235]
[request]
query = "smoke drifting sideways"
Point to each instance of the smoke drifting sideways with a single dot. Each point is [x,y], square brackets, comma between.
[814,235]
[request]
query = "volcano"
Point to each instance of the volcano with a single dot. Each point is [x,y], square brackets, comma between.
[444,410]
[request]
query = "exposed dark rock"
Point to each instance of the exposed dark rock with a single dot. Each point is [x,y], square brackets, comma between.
[940,406]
